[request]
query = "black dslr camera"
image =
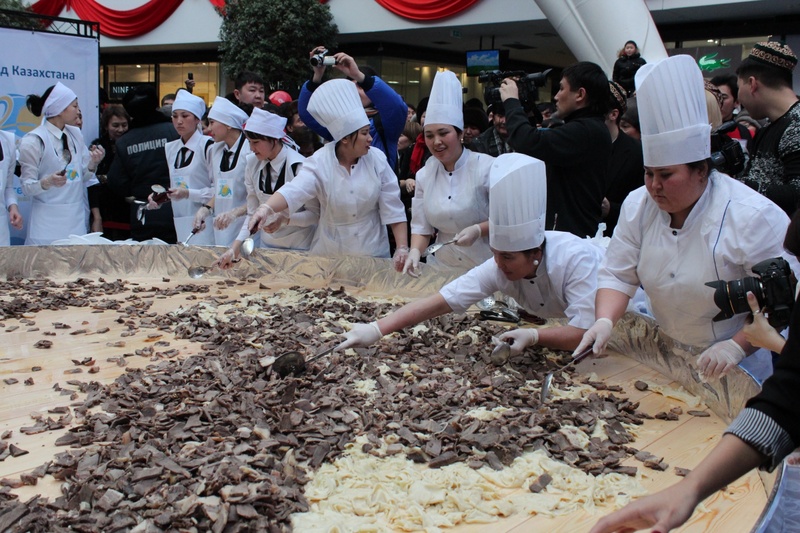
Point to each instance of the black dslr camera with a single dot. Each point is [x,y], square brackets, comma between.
[527,84]
[773,287]
[726,154]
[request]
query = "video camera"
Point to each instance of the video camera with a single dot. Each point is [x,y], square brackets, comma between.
[322,59]
[726,153]
[527,84]
[773,287]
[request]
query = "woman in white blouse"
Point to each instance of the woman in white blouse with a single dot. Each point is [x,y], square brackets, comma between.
[688,225]
[552,274]
[356,188]
[451,198]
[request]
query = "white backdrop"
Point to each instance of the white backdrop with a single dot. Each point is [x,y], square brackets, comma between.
[30,63]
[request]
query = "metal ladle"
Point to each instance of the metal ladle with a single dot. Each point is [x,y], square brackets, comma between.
[548,379]
[197,271]
[248,245]
[294,364]
[433,248]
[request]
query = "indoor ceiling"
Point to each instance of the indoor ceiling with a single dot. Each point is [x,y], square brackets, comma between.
[537,41]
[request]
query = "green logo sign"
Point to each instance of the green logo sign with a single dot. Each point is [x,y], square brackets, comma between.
[707,62]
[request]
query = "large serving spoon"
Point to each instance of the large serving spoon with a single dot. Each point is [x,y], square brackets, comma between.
[548,379]
[248,245]
[197,271]
[433,248]
[294,363]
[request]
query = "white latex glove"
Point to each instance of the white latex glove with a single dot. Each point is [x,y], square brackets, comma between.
[399,259]
[596,336]
[199,223]
[361,335]
[57,179]
[520,338]
[267,219]
[411,266]
[225,261]
[468,236]
[719,358]
[223,220]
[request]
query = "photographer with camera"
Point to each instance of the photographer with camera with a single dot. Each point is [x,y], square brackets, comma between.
[576,154]
[385,108]
[761,436]
[689,224]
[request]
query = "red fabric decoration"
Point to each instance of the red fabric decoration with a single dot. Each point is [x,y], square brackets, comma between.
[119,24]
[426,9]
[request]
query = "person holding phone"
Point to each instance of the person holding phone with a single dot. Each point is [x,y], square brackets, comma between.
[57,167]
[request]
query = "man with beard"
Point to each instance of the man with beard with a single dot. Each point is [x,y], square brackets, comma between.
[493,141]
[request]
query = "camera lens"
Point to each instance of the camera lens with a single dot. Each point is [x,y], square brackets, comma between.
[731,296]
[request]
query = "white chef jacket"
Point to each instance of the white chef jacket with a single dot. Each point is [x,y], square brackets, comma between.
[452,201]
[302,224]
[564,286]
[196,178]
[58,212]
[730,229]
[355,207]
[229,188]
[7,166]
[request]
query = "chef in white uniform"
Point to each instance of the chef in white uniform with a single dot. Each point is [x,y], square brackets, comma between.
[688,225]
[191,185]
[225,164]
[9,212]
[270,165]
[451,197]
[56,168]
[550,273]
[356,188]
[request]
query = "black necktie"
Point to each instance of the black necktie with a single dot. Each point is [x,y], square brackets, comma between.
[266,179]
[225,164]
[1,152]
[181,160]
[66,155]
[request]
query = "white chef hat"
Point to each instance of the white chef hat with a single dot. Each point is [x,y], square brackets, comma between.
[266,124]
[517,202]
[336,105]
[228,113]
[58,100]
[445,104]
[673,117]
[186,101]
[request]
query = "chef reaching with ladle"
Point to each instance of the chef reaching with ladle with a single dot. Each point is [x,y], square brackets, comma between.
[551,274]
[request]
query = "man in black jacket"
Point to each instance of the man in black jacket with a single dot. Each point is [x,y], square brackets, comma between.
[140,163]
[576,154]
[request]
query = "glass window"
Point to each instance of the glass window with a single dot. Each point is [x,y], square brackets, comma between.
[171,77]
[121,78]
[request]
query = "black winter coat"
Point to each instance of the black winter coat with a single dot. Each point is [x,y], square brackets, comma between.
[624,70]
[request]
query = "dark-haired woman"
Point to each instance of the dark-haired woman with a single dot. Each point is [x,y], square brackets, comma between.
[688,225]
[550,273]
[356,188]
[451,199]
[114,211]
[629,60]
[269,166]
[56,168]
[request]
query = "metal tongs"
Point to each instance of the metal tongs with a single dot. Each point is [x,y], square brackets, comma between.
[548,379]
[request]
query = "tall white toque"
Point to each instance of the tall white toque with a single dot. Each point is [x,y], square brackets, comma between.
[336,105]
[517,202]
[673,117]
[266,124]
[186,101]
[446,102]
[228,113]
